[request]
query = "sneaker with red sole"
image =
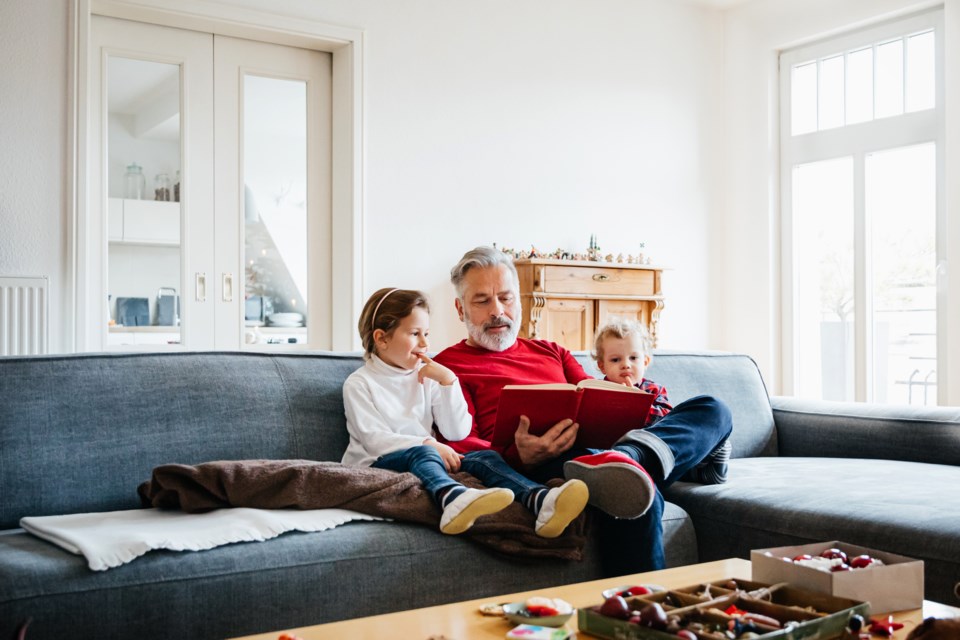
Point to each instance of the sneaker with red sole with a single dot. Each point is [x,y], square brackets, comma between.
[618,484]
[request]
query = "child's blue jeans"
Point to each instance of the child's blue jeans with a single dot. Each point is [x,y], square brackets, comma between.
[486,466]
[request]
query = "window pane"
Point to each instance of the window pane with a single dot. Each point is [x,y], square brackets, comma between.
[860,86]
[901,211]
[921,92]
[823,244]
[831,93]
[889,76]
[803,104]
[275,204]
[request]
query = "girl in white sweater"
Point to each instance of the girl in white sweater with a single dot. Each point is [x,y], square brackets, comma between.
[393,403]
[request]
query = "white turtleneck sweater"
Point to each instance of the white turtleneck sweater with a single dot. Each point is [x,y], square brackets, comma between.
[388,410]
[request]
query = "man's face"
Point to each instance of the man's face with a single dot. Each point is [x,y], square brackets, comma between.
[490,307]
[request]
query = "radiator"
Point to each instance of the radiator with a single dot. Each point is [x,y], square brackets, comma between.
[23,316]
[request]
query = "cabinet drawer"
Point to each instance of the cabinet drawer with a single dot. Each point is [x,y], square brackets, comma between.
[598,281]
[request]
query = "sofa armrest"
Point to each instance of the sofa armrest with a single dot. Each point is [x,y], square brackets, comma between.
[811,428]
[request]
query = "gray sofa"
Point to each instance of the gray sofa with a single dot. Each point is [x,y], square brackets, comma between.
[78,434]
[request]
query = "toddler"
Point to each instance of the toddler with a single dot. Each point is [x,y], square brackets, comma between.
[622,351]
[395,399]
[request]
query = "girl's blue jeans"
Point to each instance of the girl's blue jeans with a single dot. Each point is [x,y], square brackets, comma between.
[486,466]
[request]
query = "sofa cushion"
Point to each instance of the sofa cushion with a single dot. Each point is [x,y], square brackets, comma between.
[360,565]
[908,508]
[891,432]
[64,420]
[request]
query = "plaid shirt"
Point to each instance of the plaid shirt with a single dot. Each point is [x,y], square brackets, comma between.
[661,403]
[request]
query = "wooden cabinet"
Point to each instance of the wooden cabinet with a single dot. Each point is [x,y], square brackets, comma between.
[565,301]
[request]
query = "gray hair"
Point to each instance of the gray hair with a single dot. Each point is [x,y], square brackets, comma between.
[480,257]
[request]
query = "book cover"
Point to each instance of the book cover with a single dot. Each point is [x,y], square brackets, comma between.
[605,410]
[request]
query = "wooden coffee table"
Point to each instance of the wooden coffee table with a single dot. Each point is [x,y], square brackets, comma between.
[462,620]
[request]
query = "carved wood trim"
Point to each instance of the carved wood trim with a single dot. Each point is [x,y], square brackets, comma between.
[536,312]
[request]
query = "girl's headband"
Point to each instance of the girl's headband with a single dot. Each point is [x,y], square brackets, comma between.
[373,318]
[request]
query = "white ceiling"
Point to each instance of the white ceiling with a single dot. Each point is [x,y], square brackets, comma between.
[148,93]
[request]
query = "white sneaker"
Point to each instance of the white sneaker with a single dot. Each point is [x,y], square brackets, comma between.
[560,507]
[460,514]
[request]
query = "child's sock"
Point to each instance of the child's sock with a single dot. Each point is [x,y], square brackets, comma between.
[450,494]
[713,468]
[534,500]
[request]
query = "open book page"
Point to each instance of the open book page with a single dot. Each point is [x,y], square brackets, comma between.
[593,383]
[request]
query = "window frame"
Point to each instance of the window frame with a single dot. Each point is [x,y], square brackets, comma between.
[858,140]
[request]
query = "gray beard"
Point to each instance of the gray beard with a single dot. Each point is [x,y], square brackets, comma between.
[500,342]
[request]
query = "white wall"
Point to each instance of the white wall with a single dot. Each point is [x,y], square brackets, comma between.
[537,123]
[33,99]
[517,123]
[746,297]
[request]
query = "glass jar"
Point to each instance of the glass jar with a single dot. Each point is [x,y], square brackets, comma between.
[176,187]
[134,184]
[161,188]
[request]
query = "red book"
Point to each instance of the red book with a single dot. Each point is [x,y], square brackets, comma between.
[605,410]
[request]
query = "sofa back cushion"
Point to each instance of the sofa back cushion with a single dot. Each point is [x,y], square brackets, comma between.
[78,433]
[730,377]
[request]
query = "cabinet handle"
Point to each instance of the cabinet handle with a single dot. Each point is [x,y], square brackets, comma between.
[226,289]
[601,277]
[200,287]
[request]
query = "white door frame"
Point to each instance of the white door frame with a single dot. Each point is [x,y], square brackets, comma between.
[346,46]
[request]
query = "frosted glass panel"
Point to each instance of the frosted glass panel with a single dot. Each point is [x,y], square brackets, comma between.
[859,86]
[889,74]
[803,106]
[900,195]
[831,93]
[275,203]
[823,241]
[921,90]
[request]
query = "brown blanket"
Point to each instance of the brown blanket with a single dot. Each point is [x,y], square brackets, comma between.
[305,484]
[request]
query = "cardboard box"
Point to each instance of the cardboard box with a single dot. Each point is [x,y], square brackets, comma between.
[897,585]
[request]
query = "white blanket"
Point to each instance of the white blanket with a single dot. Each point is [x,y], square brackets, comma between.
[113,538]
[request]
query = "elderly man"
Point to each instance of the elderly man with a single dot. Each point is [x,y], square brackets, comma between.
[624,482]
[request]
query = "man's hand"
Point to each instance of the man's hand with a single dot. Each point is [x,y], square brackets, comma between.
[451,459]
[434,371]
[534,450]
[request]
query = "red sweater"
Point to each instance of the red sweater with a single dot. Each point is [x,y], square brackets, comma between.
[483,373]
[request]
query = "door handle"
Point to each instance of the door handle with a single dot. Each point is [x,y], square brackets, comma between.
[200,287]
[226,288]
[601,277]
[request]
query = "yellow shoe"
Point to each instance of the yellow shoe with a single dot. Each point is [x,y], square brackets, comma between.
[460,514]
[560,507]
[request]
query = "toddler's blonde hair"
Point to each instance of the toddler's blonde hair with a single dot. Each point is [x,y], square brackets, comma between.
[622,329]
